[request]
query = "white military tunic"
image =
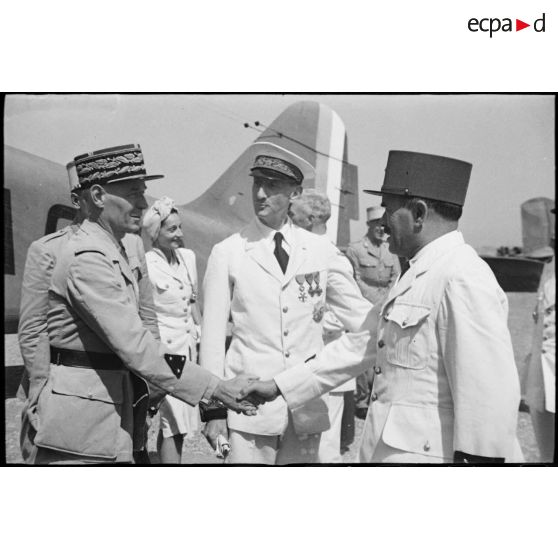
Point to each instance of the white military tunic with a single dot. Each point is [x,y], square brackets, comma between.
[277,317]
[174,289]
[446,379]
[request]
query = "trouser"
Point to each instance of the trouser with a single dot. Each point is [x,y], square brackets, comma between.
[257,449]
[330,443]
[388,454]
[348,420]
[141,457]
[543,425]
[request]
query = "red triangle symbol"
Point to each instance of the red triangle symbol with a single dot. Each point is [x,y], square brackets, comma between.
[519,25]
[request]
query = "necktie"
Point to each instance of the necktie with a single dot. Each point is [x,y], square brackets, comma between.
[280,254]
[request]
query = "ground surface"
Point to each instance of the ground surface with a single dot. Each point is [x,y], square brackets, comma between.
[197,450]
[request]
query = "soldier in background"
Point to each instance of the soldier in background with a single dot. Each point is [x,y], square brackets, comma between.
[376,269]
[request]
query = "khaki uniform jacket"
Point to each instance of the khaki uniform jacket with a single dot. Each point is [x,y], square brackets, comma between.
[32,328]
[277,322]
[32,331]
[446,377]
[376,268]
[94,307]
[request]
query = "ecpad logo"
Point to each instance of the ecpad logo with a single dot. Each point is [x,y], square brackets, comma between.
[492,25]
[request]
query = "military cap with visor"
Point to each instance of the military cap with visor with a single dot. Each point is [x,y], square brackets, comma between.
[275,168]
[427,176]
[108,166]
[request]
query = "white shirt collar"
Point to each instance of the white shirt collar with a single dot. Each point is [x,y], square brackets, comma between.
[440,244]
[268,233]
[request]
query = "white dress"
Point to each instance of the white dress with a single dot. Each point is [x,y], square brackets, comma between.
[174,292]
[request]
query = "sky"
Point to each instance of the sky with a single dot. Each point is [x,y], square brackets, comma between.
[192,139]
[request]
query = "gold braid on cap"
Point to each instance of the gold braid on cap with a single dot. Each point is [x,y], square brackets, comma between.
[109,168]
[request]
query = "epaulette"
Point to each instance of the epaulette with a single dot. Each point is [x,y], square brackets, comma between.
[52,236]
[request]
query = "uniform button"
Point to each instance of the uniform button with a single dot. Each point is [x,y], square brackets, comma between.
[285,309]
[377,370]
[185,309]
[373,397]
[286,332]
[543,350]
[181,287]
[287,354]
[427,446]
[545,337]
[90,395]
[183,298]
[381,343]
[386,317]
[169,341]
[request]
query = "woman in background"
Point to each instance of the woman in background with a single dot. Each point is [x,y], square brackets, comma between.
[172,271]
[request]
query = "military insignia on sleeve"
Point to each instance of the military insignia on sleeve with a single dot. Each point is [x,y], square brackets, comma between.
[319,310]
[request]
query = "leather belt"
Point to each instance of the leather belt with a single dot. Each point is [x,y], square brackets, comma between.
[83,359]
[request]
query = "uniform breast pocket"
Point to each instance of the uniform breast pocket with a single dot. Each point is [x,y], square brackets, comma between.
[368,261]
[166,292]
[406,335]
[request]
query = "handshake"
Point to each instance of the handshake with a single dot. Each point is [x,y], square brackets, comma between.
[245,393]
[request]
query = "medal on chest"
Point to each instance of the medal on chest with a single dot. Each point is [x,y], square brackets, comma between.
[318,313]
[300,279]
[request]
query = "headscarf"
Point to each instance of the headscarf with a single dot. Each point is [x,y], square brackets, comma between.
[155,215]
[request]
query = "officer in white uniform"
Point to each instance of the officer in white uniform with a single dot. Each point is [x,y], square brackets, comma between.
[274,279]
[446,386]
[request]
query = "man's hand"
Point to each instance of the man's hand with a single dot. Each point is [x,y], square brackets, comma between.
[212,430]
[228,392]
[259,392]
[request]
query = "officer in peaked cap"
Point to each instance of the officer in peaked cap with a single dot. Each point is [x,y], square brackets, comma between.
[275,168]
[32,330]
[93,404]
[274,280]
[446,386]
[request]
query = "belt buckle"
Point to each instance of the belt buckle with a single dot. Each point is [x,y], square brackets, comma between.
[57,358]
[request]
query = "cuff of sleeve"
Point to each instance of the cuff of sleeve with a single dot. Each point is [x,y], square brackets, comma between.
[298,385]
[211,387]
